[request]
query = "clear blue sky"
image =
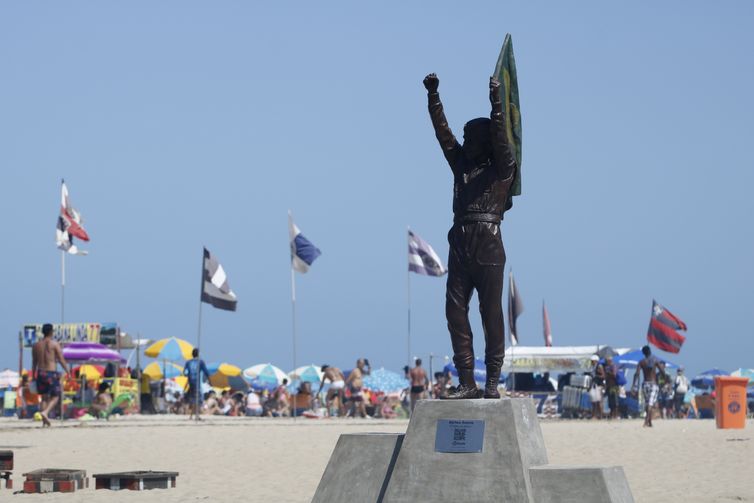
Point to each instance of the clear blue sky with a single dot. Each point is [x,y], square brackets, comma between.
[186,124]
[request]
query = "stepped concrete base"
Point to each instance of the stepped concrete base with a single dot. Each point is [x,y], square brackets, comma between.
[512,443]
[502,458]
[359,468]
[580,484]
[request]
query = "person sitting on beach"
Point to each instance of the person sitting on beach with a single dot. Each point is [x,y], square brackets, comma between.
[302,401]
[211,406]
[46,354]
[253,405]
[648,366]
[280,396]
[386,410]
[337,387]
[102,401]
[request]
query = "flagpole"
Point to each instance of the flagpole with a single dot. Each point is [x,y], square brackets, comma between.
[408,303]
[62,287]
[293,317]
[198,346]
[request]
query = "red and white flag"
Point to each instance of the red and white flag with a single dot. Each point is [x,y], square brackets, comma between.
[70,225]
[546,326]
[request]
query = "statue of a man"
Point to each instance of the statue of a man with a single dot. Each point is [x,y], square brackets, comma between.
[483,171]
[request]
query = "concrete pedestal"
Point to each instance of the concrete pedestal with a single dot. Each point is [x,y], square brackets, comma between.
[463,450]
[512,443]
[580,484]
[359,468]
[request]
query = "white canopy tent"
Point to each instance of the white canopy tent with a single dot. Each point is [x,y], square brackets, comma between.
[555,359]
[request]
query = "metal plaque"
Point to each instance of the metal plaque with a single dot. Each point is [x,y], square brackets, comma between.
[459,435]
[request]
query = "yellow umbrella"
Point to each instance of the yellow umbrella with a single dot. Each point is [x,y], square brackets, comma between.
[91,371]
[170,349]
[157,370]
[225,375]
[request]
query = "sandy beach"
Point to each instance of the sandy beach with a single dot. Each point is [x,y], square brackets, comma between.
[224,459]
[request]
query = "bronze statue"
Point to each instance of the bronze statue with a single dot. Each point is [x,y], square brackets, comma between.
[483,169]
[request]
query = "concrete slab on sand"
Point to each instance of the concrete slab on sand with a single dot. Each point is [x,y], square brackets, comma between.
[359,468]
[580,484]
[512,443]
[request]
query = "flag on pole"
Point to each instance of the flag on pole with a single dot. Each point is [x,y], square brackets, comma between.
[422,259]
[70,225]
[303,251]
[215,288]
[546,326]
[505,72]
[662,329]
[515,308]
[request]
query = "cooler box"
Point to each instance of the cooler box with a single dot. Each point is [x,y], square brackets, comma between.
[730,403]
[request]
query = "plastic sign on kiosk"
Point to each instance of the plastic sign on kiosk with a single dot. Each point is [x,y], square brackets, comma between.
[730,406]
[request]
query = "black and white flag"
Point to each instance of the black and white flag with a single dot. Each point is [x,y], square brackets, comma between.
[215,288]
[422,259]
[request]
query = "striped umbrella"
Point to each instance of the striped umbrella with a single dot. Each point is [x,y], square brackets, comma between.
[172,348]
[264,376]
[307,373]
[159,370]
[89,371]
[225,375]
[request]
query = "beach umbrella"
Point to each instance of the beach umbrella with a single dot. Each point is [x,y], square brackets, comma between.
[264,376]
[385,380]
[172,348]
[89,371]
[706,380]
[480,370]
[9,378]
[745,373]
[162,370]
[307,373]
[633,357]
[225,375]
[90,351]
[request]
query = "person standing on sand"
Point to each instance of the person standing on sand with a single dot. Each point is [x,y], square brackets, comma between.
[337,387]
[419,383]
[45,355]
[649,366]
[355,384]
[194,369]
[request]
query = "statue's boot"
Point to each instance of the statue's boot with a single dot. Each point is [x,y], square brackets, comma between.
[466,387]
[493,378]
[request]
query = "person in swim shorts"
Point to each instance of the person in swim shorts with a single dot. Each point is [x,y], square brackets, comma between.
[419,382]
[337,386]
[46,354]
[649,366]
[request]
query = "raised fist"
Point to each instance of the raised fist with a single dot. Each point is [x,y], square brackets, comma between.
[431,82]
[495,90]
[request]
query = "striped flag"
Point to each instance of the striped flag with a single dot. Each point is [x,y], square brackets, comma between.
[422,259]
[303,251]
[70,225]
[515,308]
[662,329]
[215,288]
[546,326]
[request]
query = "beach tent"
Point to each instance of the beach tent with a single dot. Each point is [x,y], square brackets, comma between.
[632,358]
[554,359]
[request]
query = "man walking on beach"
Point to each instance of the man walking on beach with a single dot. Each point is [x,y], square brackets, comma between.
[483,169]
[649,366]
[681,386]
[337,386]
[355,384]
[419,383]
[45,355]
[194,369]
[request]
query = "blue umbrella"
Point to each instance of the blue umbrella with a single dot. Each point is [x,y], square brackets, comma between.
[385,381]
[706,380]
[480,370]
[632,359]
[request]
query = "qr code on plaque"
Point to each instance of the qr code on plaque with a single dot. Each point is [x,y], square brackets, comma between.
[459,434]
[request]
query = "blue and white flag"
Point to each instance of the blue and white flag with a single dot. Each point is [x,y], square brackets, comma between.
[303,251]
[422,259]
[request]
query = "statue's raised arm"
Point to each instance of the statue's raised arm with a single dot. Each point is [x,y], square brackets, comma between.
[451,149]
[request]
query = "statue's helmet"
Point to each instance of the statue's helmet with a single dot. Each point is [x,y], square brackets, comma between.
[477,142]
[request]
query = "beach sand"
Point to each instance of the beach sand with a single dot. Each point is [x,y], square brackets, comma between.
[226,459]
